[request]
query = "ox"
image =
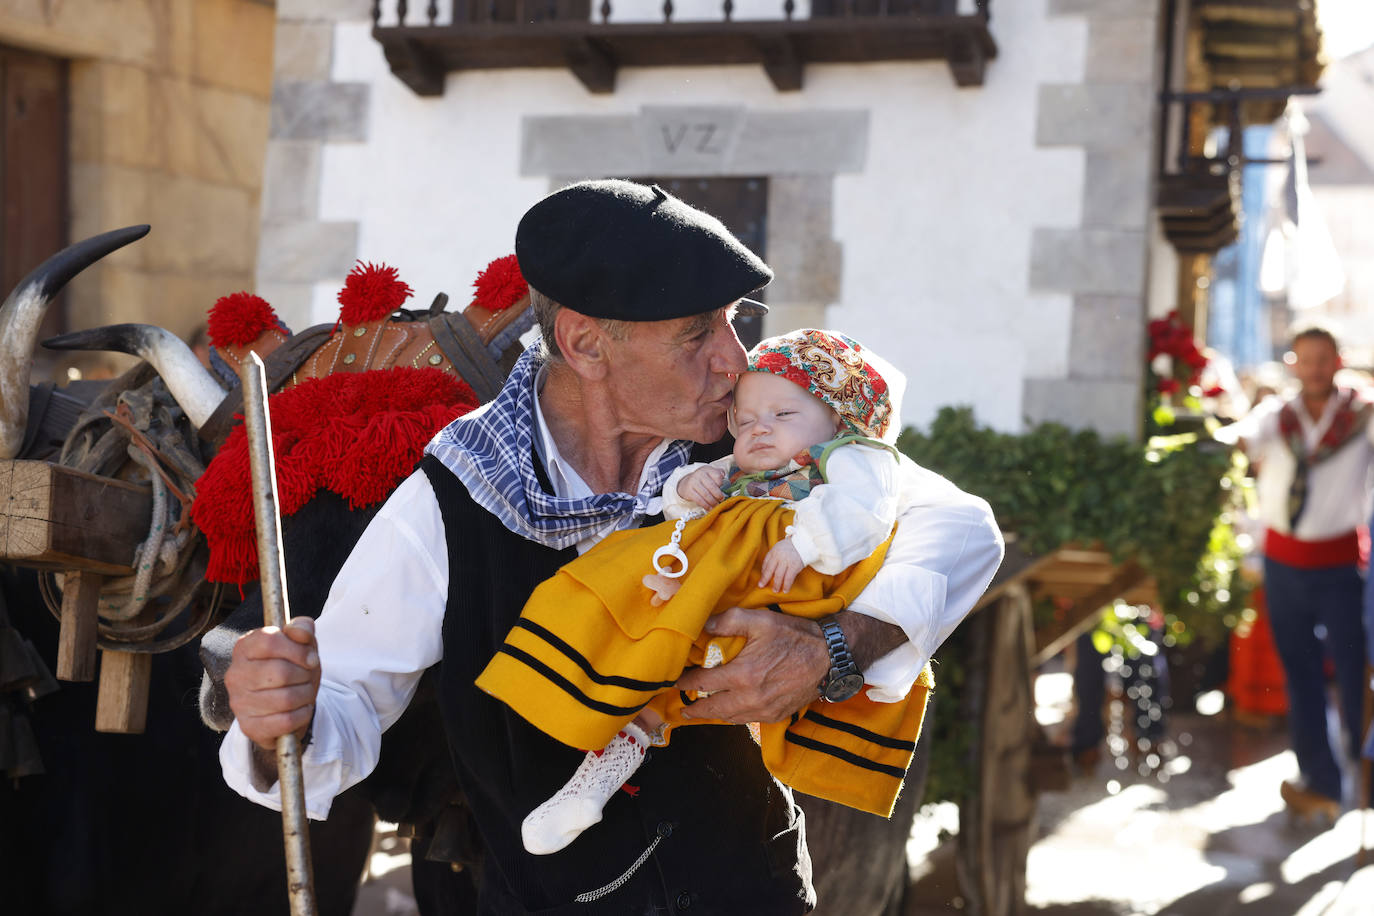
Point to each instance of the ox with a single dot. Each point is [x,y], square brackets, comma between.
[143,822]
[111,823]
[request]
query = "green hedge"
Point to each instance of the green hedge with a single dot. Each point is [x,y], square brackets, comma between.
[1164,503]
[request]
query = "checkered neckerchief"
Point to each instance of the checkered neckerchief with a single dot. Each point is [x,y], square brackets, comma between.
[491,450]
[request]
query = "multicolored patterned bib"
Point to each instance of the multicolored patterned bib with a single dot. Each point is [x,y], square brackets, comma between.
[794,480]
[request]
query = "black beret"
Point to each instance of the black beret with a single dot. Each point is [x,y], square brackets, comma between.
[616,249]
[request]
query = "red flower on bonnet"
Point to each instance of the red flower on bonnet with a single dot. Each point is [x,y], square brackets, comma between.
[832,367]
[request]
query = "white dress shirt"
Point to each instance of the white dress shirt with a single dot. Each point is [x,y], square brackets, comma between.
[1338,487]
[382,624]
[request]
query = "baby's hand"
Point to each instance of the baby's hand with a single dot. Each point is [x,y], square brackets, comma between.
[781,566]
[702,486]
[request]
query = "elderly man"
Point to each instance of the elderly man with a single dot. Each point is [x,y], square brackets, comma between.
[635,292]
[1314,453]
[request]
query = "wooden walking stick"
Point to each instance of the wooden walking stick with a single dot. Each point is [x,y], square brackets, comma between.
[300,880]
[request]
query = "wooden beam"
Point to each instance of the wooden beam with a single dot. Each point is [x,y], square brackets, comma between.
[591,64]
[781,63]
[1075,574]
[967,60]
[122,703]
[1077,555]
[1084,612]
[76,641]
[423,74]
[54,517]
[1017,565]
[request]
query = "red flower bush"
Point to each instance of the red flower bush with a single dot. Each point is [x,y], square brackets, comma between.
[1172,338]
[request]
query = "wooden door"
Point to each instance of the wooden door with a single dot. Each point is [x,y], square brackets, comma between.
[33,168]
[742,205]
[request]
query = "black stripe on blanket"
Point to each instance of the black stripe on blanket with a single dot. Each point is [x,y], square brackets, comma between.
[864,734]
[577,658]
[841,754]
[568,686]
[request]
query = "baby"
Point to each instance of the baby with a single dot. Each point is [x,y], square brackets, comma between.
[821,489]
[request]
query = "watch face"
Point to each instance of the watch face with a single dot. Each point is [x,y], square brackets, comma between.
[842,688]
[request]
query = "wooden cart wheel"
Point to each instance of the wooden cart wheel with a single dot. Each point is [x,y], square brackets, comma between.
[995,822]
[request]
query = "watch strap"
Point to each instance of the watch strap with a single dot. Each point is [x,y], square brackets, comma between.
[841,658]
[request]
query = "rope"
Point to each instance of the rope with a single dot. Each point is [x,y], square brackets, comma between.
[124,417]
[143,424]
[148,554]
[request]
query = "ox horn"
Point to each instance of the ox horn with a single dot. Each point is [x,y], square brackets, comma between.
[22,314]
[190,383]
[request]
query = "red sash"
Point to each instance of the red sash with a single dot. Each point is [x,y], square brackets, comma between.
[1349,549]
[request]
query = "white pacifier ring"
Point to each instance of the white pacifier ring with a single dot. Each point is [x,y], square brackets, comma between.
[672,552]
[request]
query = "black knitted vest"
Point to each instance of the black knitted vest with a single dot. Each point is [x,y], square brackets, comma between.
[732,839]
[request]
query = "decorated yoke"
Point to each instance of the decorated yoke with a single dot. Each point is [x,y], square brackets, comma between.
[590,651]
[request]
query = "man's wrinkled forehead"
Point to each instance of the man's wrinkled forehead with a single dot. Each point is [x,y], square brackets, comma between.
[691,326]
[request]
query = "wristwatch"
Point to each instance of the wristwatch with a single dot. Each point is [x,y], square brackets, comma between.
[844,679]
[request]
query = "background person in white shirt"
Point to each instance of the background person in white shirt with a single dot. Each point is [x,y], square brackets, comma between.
[1315,453]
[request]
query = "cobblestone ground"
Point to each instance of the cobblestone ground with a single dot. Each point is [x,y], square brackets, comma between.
[1203,835]
[1206,835]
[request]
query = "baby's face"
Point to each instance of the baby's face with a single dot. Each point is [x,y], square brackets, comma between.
[776,419]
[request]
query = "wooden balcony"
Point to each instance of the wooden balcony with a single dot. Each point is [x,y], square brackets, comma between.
[1257,44]
[498,34]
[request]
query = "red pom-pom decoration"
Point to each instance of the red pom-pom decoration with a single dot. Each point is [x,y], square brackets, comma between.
[239,319]
[356,434]
[371,292]
[499,286]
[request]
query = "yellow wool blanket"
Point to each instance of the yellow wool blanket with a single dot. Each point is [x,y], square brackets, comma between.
[590,651]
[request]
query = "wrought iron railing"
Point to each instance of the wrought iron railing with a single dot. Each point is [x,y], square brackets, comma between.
[402,13]
[423,43]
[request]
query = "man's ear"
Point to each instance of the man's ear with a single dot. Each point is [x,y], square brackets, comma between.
[582,341]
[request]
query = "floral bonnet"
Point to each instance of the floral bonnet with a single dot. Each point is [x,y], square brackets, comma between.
[837,370]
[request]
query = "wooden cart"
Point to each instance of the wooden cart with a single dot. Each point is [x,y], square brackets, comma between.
[1012,764]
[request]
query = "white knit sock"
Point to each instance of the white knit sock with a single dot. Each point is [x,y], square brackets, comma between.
[576,806]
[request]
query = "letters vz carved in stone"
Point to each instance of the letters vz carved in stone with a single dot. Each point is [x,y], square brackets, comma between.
[698,138]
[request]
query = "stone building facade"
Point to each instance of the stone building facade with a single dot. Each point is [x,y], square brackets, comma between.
[996,242]
[168,111]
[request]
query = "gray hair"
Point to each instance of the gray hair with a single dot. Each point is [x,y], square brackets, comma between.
[546,311]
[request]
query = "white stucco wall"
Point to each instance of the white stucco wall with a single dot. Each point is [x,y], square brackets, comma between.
[935,229]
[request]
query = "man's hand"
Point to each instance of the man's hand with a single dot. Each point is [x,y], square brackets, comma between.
[272,681]
[773,676]
[780,566]
[702,486]
[780,668]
